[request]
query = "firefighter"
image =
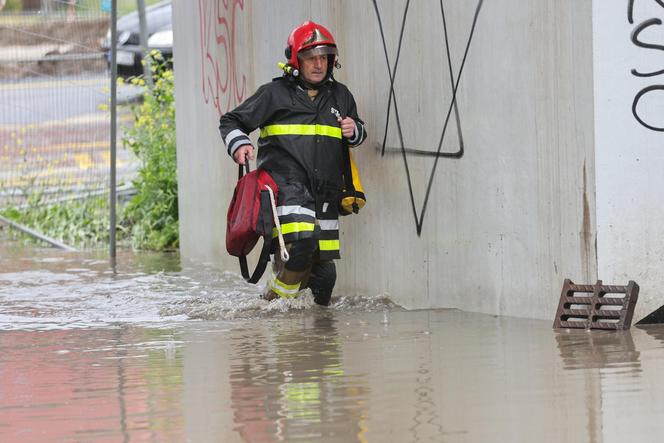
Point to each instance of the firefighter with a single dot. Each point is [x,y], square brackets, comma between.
[306,119]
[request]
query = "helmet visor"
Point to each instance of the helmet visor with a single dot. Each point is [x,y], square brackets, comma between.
[317,50]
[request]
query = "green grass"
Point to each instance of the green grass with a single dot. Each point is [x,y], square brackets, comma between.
[79,223]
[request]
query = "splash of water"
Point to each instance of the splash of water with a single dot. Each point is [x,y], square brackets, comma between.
[50,291]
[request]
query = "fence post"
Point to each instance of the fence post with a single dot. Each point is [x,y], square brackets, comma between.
[114,93]
[147,68]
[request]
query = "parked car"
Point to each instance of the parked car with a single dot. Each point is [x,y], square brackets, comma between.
[160,36]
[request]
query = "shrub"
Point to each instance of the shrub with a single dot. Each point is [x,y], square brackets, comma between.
[151,216]
[12,6]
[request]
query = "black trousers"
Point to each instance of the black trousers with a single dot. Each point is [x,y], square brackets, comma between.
[321,281]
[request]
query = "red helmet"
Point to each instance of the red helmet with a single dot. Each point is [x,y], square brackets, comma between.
[310,39]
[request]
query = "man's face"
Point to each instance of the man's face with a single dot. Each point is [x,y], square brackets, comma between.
[314,69]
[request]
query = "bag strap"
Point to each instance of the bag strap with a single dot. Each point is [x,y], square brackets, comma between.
[265,215]
[264,258]
[241,168]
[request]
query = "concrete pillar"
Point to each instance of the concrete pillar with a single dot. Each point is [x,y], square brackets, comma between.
[501,226]
[629,148]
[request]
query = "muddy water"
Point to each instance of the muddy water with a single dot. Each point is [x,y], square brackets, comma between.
[158,353]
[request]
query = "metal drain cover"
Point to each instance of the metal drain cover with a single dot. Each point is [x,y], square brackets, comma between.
[596,306]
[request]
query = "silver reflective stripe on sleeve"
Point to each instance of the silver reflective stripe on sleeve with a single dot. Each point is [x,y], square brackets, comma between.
[234,133]
[328,225]
[288,210]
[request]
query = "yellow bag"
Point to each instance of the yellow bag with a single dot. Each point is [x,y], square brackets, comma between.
[352,196]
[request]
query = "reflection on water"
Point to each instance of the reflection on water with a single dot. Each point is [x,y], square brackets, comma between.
[93,385]
[158,353]
[297,390]
[598,349]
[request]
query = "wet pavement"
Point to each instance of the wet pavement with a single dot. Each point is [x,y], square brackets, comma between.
[161,352]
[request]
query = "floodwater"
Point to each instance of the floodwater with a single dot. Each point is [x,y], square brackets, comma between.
[157,353]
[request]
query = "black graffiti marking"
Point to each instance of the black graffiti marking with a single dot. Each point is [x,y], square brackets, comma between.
[419,219]
[640,43]
[646,74]
[392,95]
[459,153]
[641,93]
[392,73]
[642,27]
[413,151]
[630,9]
[635,39]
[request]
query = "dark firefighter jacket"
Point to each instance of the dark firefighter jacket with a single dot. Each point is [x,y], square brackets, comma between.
[300,140]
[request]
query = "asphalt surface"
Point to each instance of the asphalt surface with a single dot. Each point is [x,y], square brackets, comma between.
[35,101]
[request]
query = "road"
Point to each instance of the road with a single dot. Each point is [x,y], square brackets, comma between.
[54,136]
[35,101]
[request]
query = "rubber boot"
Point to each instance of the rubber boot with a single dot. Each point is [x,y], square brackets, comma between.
[321,281]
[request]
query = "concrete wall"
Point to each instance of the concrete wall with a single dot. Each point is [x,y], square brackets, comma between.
[503,225]
[630,155]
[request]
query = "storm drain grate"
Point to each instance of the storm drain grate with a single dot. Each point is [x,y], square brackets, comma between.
[596,306]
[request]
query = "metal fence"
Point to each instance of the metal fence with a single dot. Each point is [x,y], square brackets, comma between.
[54,104]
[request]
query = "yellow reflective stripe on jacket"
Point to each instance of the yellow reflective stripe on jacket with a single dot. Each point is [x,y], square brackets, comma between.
[290,228]
[328,131]
[328,245]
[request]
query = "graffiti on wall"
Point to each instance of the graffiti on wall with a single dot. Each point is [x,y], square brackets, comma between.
[641,42]
[222,84]
[455,79]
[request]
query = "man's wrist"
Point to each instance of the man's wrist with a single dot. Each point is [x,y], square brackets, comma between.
[356,134]
[235,140]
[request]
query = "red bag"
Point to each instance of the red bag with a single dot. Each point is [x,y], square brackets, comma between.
[249,218]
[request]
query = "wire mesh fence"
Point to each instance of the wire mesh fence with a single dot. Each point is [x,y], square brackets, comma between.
[54,104]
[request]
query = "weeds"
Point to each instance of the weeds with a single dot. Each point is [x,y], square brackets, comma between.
[151,217]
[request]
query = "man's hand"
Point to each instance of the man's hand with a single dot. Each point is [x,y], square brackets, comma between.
[347,126]
[243,153]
